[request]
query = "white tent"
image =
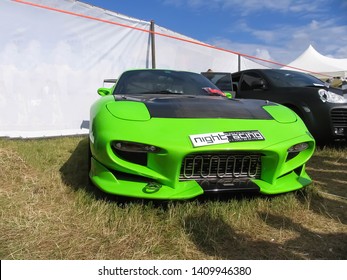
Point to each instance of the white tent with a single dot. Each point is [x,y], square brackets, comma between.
[54,54]
[319,65]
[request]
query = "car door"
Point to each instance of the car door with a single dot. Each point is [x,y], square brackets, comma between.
[253,84]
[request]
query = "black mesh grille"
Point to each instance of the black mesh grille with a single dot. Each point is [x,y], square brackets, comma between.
[339,117]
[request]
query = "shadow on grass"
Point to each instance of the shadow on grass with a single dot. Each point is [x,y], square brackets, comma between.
[329,175]
[74,172]
[309,244]
[329,207]
[335,144]
[216,238]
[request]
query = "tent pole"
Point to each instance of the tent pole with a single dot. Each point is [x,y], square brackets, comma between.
[153,44]
[239,62]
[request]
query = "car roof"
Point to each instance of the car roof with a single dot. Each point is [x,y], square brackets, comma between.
[159,70]
[272,70]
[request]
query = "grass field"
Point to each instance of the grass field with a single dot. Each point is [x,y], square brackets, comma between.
[48,211]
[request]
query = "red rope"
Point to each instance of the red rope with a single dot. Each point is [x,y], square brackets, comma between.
[161,34]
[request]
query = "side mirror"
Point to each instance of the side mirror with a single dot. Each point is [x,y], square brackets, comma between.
[230,94]
[104,91]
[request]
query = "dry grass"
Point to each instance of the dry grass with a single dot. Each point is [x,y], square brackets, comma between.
[48,211]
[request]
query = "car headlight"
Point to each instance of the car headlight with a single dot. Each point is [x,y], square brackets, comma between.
[294,150]
[134,152]
[135,147]
[331,97]
[298,148]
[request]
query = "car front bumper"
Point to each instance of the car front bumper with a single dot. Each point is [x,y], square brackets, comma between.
[279,173]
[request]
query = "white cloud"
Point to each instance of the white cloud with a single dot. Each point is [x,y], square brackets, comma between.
[285,43]
[314,24]
[253,50]
[326,36]
[247,7]
[295,25]
[263,53]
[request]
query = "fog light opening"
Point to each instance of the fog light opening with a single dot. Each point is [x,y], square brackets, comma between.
[339,131]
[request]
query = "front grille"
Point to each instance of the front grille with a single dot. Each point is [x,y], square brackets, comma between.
[339,117]
[221,166]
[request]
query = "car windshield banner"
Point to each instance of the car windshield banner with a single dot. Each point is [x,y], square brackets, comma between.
[199,140]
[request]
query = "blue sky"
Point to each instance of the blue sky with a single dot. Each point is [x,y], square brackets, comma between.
[276,30]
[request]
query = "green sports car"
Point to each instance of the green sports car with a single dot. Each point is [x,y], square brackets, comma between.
[164,134]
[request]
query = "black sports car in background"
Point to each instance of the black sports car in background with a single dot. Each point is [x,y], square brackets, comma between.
[322,108]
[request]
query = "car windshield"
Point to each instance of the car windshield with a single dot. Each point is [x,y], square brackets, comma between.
[285,78]
[163,82]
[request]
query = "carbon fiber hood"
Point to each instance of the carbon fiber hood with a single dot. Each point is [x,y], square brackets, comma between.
[202,107]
